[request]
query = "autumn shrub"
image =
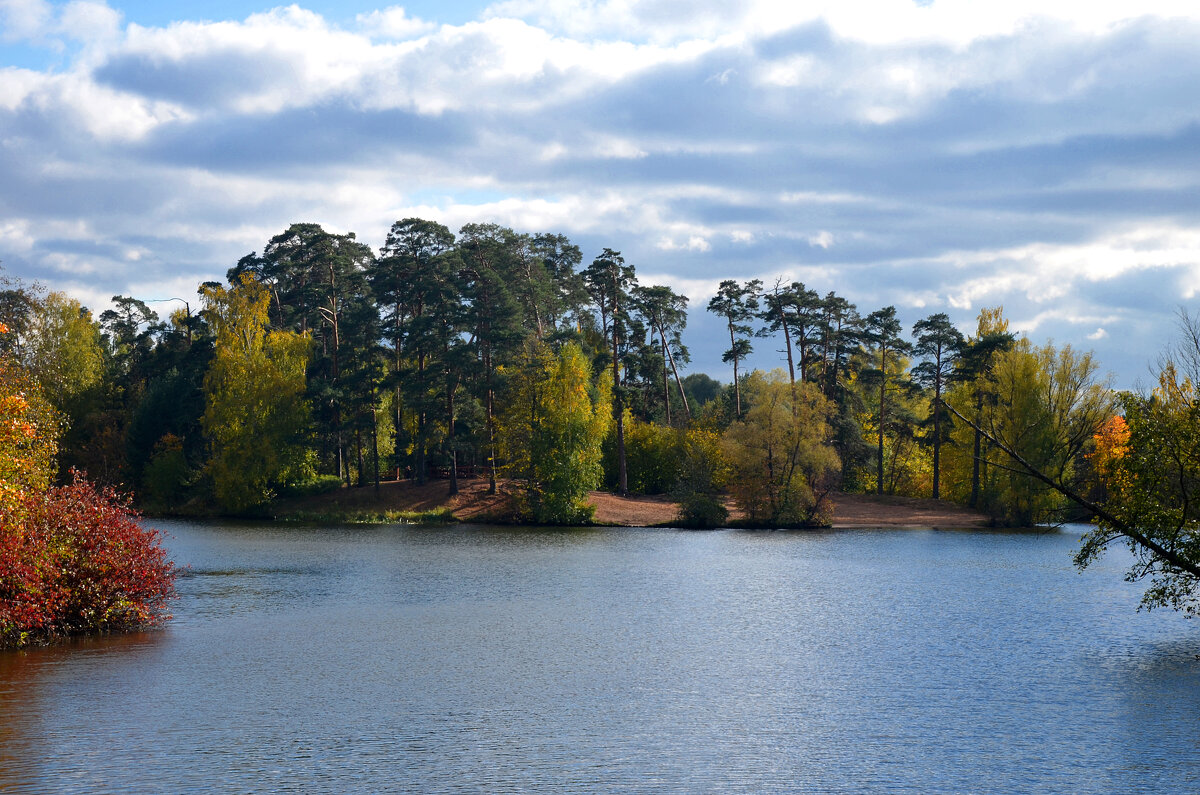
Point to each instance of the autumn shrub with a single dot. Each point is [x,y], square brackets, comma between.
[702,476]
[781,465]
[73,559]
[653,455]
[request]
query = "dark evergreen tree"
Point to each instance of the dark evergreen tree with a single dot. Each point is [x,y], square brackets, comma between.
[737,304]
[415,285]
[609,280]
[882,331]
[941,344]
[665,313]
[491,263]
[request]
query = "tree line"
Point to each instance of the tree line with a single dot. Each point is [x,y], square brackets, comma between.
[498,354]
[322,361]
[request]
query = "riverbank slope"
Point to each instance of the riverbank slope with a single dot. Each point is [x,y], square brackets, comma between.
[473,503]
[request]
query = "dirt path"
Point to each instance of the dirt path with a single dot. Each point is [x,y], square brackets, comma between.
[474,504]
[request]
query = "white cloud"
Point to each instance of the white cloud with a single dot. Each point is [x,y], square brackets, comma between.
[89,21]
[25,19]
[876,22]
[823,239]
[392,23]
[944,156]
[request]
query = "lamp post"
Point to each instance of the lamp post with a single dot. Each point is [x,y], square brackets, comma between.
[187,308]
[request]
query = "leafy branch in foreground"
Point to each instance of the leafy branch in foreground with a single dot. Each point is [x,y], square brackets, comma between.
[1151,469]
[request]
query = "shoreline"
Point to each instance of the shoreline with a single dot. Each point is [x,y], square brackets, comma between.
[429,503]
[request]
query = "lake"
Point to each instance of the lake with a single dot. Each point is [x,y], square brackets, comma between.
[474,659]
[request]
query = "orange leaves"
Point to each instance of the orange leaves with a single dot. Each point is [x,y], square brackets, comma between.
[1112,443]
[28,436]
[1112,447]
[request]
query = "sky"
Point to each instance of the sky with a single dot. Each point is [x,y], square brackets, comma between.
[938,156]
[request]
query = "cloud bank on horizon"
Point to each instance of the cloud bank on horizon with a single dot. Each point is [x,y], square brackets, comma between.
[939,156]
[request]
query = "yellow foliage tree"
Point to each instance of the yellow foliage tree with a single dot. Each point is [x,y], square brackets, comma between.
[552,422]
[255,414]
[62,349]
[780,462]
[29,429]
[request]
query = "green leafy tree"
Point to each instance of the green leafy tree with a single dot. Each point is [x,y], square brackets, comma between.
[490,272]
[63,350]
[971,393]
[317,283]
[563,302]
[776,310]
[1149,462]
[781,466]
[1049,404]
[255,414]
[553,421]
[841,333]
[703,474]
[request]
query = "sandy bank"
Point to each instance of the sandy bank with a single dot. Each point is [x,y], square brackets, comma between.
[473,503]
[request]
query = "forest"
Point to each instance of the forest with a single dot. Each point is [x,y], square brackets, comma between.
[501,355]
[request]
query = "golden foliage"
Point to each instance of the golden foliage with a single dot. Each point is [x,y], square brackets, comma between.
[780,463]
[255,410]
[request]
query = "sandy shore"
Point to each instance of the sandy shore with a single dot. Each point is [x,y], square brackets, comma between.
[473,503]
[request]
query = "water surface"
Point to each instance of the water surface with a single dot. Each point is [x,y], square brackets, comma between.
[498,660]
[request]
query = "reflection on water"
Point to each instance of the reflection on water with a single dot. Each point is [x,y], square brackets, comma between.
[483,659]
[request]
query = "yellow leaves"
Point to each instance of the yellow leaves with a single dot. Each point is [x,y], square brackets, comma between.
[1110,452]
[551,428]
[254,393]
[991,321]
[1112,443]
[63,348]
[28,436]
[1173,392]
[778,453]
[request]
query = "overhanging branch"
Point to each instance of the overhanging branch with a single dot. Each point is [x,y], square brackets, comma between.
[1121,527]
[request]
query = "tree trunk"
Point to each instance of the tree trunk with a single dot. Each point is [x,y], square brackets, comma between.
[882,411]
[397,446]
[491,426]
[687,410]
[666,386]
[618,402]
[419,453]
[787,341]
[937,430]
[974,501]
[358,452]
[375,445]
[737,387]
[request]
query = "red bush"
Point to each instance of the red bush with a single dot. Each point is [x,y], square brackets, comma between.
[73,560]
